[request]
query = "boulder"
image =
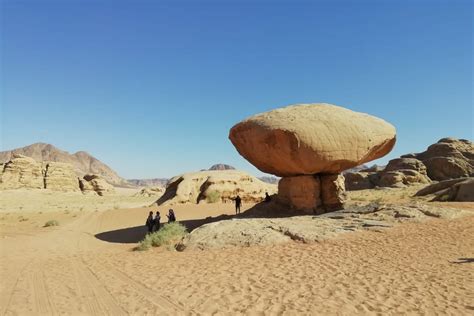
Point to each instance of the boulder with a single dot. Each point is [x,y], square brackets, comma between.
[60,177]
[21,172]
[308,139]
[92,183]
[401,178]
[215,186]
[302,193]
[333,192]
[449,158]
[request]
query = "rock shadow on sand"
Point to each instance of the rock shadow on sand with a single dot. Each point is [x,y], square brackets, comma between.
[132,235]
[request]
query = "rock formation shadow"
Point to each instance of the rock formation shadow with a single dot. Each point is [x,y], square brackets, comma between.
[131,235]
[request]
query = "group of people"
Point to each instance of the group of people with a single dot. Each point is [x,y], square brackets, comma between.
[153,224]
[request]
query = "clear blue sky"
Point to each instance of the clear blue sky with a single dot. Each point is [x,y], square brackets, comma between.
[152,87]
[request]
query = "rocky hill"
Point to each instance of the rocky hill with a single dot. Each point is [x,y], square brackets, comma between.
[221,166]
[83,162]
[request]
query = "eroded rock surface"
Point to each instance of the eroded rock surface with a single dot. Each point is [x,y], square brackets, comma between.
[215,186]
[94,184]
[300,192]
[267,231]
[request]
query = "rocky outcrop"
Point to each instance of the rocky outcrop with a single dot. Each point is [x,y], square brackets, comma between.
[311,139]
[269,179]
[449,158]
[221,166]
[215,186]
[246,232]
[82,162]
[459,190]
[22,172]
[60,177]
[94,184]
[309,145]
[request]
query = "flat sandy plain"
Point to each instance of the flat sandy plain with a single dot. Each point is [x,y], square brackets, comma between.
[86,266]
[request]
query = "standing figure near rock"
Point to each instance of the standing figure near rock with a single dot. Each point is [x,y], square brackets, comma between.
[171,216]
[267,197]
[150,222]
[238,203]
[157,221]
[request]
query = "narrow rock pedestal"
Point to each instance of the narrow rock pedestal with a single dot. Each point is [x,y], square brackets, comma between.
[333,192]
[302,193]
[313,194]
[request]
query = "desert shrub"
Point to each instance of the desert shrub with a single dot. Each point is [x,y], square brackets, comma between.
[213,197]
[52,222]
[168,235]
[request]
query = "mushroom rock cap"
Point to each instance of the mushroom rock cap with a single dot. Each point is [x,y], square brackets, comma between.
[311,138]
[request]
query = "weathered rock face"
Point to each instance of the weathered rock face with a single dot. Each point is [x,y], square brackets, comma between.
[311,138]
[95,184]
[215,186]
[333,192]
[60,177]
[301,192]
[21,172]
[460,190]
[449,158]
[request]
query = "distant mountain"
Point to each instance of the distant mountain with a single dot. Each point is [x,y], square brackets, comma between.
[83,162]
[269,179]
[156,182]
[221,166]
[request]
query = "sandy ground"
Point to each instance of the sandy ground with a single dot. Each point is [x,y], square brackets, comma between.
[86,266]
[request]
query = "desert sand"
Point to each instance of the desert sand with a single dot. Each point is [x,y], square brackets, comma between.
[86,266]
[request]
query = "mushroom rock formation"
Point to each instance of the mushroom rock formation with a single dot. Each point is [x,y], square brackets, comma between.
[320,140]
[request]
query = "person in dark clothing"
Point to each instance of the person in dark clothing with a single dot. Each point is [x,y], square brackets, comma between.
[171,216]
[150,222]
[238,203]
[267,197]
[157,221]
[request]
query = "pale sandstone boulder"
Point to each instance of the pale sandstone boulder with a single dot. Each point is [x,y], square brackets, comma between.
[215,186]
[311,138]
[333,192]
[300,192]
[94,183]
[21,172]
[60,176]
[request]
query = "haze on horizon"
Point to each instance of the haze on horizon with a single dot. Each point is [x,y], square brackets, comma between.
[151,88]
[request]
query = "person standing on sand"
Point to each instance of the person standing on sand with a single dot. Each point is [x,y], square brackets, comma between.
[150,222]
[238,203]
[267,197]
[157,221]
[171,216]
